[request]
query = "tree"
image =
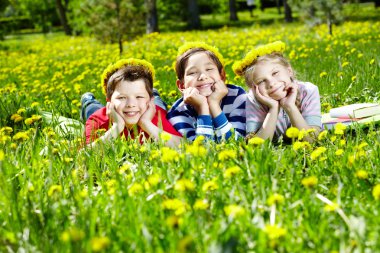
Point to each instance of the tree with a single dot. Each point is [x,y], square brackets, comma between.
[233,12]
[62,8]
[194,21]
[287,12]
[151,17]
[317,12]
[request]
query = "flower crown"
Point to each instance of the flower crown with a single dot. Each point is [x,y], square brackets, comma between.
[112,68]
[200,44]
[240,66]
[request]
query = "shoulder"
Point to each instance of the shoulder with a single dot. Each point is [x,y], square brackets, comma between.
[100,116]
[307,87]
[235,90]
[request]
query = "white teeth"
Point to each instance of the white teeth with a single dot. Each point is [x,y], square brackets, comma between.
[131,114]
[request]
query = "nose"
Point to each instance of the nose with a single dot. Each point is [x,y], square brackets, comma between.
[202,76]
[271,82]
[130,103]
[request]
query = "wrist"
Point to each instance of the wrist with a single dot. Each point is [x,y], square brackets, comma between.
[203,109]
[290,108]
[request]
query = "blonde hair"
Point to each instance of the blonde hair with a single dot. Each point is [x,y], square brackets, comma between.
[274,57]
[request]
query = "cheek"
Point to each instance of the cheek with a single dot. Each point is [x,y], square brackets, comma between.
[262,90]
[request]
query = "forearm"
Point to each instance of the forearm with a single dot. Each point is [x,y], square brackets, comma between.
[111,134]
[298,121]
[269,125]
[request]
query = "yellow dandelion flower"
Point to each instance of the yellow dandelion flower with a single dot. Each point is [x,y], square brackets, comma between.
[210,186]
[323,74]
[6,130]
[301,144]
[21,111]
[227,155]
[16,118]
[309,182]
[54,189]
[317,152]
[331,207]
[256,141]
[322,135]
[34,104]
[234,210]
[372,61]
[2,155]
[361,174]
[174,221]
[100,243]
[339,152]
[154,179]
[169,155]
[275,199]
[362,145]
[232,171]
[21,136]
[72,234]
[344,64]
[183,185]
[376,192]
[201,204]
[292,132]
[135,189]
[165,137]
[28,121]
[196,150]
[353,78]
[274,232]
[200,44]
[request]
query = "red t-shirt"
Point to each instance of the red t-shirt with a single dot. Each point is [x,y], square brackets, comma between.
[99,120]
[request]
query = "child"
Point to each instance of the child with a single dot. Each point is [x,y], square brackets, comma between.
[208,106]
[276,100]
[128,85]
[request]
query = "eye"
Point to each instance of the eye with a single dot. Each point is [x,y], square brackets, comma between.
[275,73]
[259,82]
[140,97]
[209,69]
[122,98]
[191,73]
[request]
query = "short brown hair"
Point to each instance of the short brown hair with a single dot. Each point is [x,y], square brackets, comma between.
[182,60]
[130,73]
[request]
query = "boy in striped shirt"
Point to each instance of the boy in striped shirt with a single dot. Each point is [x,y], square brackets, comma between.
[208,107]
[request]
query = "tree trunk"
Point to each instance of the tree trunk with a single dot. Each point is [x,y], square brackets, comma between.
[194,21]
[377,3]
[151,17]
[233,13]
[62,16]
[288,12]
[278,6]
[119,30]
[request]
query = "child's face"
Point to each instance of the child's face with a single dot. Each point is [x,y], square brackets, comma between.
[131,100]
[201,73]
[272,78]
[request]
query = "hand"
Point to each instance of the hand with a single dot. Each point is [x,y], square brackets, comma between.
[220,90]
[115,117]
[290,99]
[192,97]
[268,101]
[149,113]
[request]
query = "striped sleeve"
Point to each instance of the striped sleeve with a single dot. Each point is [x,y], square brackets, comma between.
[186,121]
[256,113]
[233,114]
[310,104]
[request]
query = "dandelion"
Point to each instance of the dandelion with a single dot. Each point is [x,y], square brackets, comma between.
[323,74]
[344,64]
[227,154]
[16,118]
[256,141]
[274,232]
[99,243]
[301,144]
[165,137]
[339,128]
[322,135]
[174,221]
[376,192]
[21,111]
[331,207]
[21,136]
[292,132]
[28,121]
[309,182]
[169,155]
[196,150]
[234,211]
[2,155]
[361,174]
[353,78]
[339,152]
[275,199]
[72,234]
[154,179]
[372,61]
[34,104]
[210,186]
[135,189]
[6,130]
[317,152]
[176,205]
[232,171]
[54,189]
[183,185]
[201,204]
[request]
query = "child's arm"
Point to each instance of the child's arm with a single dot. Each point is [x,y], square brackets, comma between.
[268,126]
[296,118]
[232,100]
[146,124]
[118,125]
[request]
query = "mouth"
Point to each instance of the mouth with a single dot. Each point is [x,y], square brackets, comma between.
[205,86]
[275,90]
[130,114]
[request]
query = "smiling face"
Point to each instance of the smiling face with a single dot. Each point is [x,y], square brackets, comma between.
[131,100]
[272,78]
[200,72]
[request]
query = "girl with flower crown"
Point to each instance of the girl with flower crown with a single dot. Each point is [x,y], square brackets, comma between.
[276,100]
[130,109]
[209,107]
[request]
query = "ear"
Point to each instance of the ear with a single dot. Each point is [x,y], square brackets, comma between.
[180,85]
[223,75]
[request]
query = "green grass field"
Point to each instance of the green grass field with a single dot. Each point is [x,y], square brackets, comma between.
[202,197]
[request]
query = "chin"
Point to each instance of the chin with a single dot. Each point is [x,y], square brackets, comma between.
[206,93]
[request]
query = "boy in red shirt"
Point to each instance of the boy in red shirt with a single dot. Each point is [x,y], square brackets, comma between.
[130,108]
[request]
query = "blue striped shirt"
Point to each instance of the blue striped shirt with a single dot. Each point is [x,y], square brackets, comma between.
[185,119]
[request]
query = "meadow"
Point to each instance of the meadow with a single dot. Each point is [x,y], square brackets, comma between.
[202,197]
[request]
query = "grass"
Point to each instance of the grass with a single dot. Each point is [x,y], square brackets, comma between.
[201,197]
